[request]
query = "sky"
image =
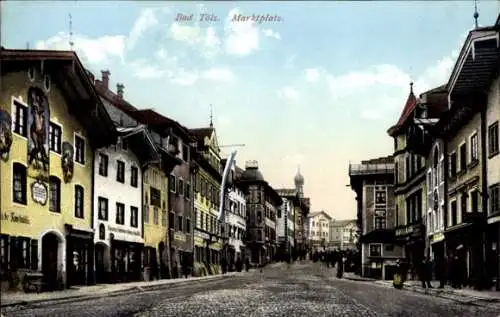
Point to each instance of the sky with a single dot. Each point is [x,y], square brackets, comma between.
[316,86]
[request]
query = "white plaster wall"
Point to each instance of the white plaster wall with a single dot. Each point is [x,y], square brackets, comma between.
[280,221]
[493,115]
[108,187]
[236,220]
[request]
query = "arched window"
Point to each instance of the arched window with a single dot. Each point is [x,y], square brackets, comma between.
[435,158]
[19,183]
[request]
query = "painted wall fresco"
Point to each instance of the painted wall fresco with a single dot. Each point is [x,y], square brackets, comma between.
[67,161]
[5,134]
[38,136]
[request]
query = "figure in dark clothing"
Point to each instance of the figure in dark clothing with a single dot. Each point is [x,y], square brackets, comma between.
[441,271]
[247,264]
[340,267]
[425,273]
[223,264]
[239,264]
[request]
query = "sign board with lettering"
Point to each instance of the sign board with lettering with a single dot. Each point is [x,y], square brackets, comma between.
[124,230]
[14,217]
[179,237]
[39,192]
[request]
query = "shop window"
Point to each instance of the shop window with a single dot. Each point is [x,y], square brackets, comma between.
[4,251]
[19,184]
[103,164]
[55,194]
[79,212]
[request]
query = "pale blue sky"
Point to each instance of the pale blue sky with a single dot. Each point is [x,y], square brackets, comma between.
[319,88]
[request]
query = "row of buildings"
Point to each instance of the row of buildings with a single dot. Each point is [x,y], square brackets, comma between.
[324,232]
[437,195]
[95,189]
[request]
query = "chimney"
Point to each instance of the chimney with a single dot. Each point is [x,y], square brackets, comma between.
[119,89]
[105,78]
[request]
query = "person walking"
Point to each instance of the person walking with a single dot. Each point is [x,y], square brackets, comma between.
[425,273]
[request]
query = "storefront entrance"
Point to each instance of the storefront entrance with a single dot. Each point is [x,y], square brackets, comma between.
[50,260]
[102,263]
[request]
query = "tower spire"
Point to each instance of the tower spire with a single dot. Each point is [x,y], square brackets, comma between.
[70,41]
[211,116]
[476,14]
[411,87]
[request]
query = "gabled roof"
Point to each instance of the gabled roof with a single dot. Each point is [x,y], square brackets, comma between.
[410,105]
[202,133]
[317,213]
[158,121]
[74,83]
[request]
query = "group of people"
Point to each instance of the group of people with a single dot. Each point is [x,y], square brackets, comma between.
[341,259]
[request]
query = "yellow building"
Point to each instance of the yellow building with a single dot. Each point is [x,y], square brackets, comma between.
[208,238]
[51,120]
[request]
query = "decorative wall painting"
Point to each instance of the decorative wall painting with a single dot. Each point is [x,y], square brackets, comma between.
[38,136]
[67,161]
[5,134]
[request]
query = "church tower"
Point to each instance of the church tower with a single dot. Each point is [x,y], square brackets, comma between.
[299,183]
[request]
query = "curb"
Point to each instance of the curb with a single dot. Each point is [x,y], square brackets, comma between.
[130,290]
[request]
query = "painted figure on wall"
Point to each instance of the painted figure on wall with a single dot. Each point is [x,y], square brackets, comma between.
[38,138]
[67,161]
[5,135]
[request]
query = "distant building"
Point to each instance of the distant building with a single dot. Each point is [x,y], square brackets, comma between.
[318,229]
[372,180]
[343,234]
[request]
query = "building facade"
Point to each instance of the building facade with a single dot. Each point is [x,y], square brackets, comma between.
[285,224]
[372,181]
[318,230]
[343,234]
[209,239]
[50,130]
[262,205]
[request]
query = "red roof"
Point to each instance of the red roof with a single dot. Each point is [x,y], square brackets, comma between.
[410,105]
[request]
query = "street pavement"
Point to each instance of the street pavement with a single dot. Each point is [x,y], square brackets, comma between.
[303,289]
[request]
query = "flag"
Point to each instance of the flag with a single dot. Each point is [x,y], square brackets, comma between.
[227,171]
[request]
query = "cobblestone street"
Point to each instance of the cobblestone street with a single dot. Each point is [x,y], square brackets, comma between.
[299,290]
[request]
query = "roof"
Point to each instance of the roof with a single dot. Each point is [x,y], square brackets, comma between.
[478,60]
[318,213]
[411,103]
[252,174]
[342,222]
[159,121]
[74,81]
[202,133]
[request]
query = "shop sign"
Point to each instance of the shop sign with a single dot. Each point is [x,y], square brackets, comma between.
[437,237]
[123,230]
[39,192]
[179,237]
[14,217]
[199,241]
[216,246]
[203,235]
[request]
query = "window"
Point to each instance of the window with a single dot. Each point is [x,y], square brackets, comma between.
[380,197]
[120,213]
[389,247]
[103,164]
[155,215]
[188,225]
[55,137]
[19,184]
[134,175]
[79,149]
[187,191]
[164,218]
[202,218]
[172,183]
[171,220]
[55,194]
[179,223]
[463,203]
[375,250]
[494,198]
[155,198]
[20,119]
[474,201]
[379,222]
[453,164]
[473,148]
[146,213]
[453,208]
[103,208]
[120,171]
[134,216]
[180,187]
[463,156]
[407,167]
[493,143]
[78,201]
[396,173]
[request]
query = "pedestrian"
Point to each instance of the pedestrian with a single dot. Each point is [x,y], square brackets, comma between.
[425,272]
[441,270]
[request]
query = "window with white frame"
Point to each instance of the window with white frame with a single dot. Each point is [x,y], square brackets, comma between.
[376,250]
[473,148]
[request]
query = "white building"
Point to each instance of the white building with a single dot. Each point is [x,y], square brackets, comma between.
[343,234]
[236,221]
[118,205]
[318,229]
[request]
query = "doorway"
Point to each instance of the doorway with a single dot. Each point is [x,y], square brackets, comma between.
[101,262]
[50,257]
